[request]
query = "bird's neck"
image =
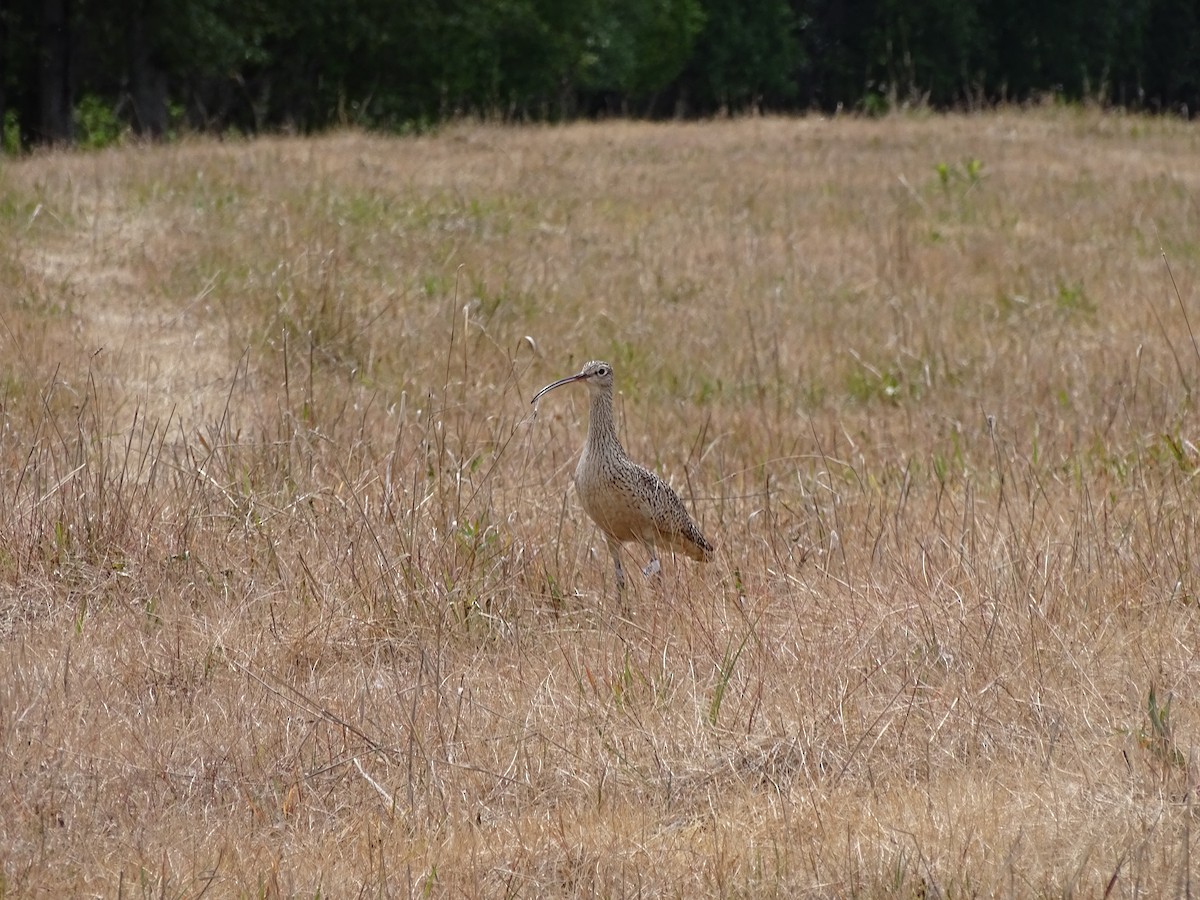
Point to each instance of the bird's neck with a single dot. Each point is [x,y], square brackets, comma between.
[602,430]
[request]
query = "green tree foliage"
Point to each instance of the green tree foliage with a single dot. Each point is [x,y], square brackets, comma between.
[747,55]
[929,49]
[636,48]
[1172,63]
[154,65]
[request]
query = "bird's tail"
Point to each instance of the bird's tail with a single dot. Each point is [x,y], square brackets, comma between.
[698,548]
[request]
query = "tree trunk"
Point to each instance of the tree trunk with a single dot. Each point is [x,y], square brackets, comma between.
[147,80]
[55,123]
[3,69]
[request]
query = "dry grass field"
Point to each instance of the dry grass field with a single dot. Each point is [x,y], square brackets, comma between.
[296,598]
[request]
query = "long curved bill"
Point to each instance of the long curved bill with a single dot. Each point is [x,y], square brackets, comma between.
[559,383]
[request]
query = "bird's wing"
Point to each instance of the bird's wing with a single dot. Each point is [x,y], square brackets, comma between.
[674,526]
[659,502]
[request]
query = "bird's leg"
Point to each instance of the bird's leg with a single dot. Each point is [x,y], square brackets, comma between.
[614,547]
[653,567]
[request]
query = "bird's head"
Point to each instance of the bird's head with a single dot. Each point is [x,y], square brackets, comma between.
[597,375]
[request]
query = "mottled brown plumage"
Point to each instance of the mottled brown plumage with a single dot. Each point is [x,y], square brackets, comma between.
[626,501]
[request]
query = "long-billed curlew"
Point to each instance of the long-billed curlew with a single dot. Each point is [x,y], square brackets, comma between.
[626,501]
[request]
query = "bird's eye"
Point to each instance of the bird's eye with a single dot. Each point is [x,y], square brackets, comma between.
[602,371]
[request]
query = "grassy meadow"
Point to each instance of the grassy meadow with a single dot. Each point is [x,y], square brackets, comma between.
[296,598]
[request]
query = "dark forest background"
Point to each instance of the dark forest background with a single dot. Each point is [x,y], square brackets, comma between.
[86,71]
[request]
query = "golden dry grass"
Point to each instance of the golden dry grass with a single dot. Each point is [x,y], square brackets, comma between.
[294,597]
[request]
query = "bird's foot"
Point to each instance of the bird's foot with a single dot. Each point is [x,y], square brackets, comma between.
[652,568]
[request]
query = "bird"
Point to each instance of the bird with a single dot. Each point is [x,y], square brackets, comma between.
[626,501]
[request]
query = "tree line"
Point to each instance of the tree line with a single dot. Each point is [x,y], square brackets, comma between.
[87,70]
